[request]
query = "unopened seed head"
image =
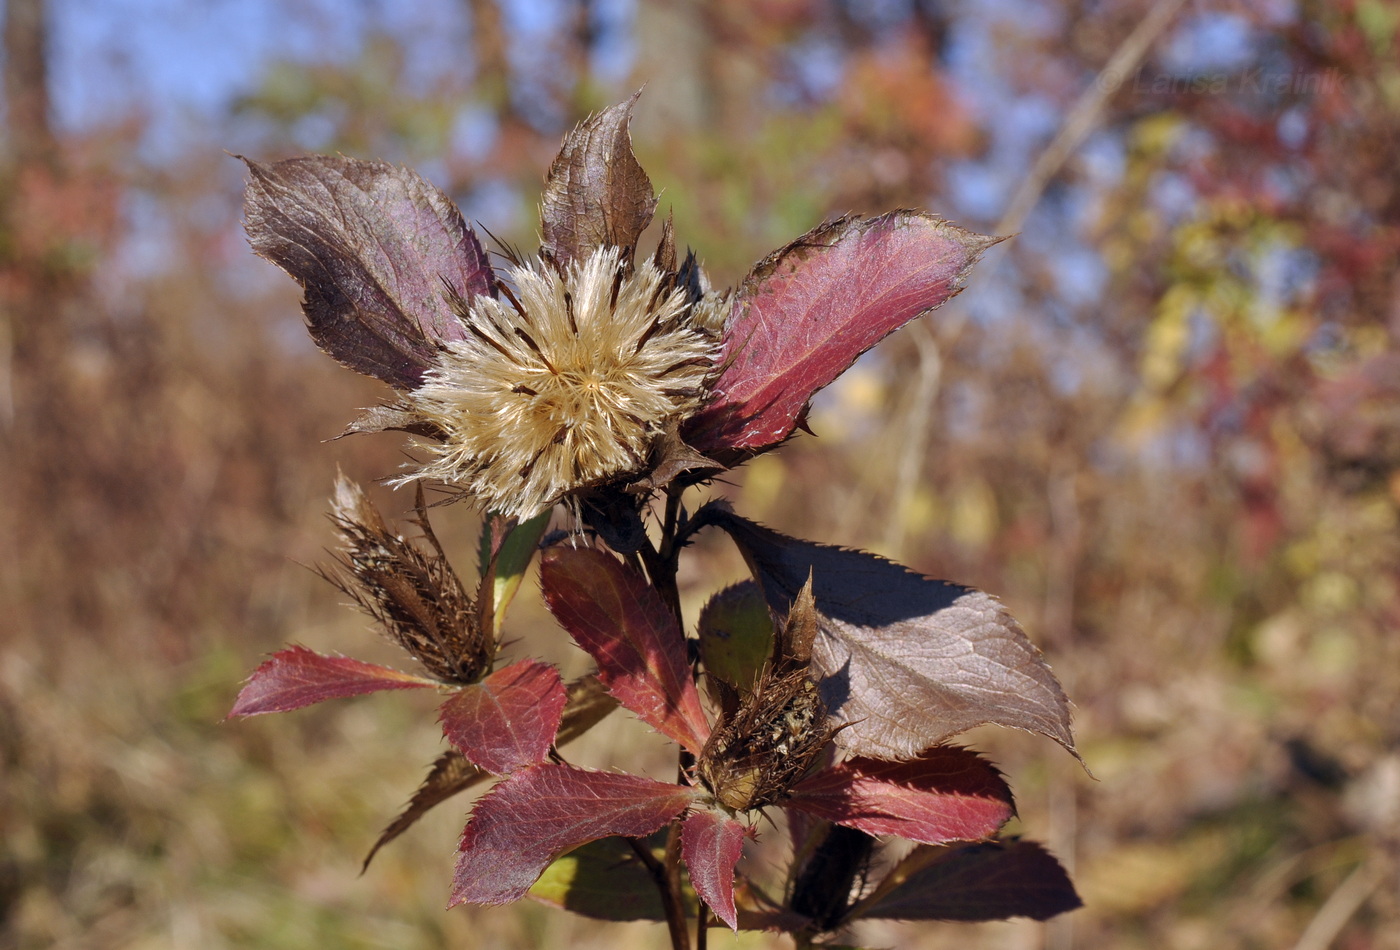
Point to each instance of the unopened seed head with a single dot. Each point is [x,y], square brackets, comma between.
[412,592]
[565,384]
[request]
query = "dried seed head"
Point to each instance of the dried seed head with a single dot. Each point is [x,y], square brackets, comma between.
[567,383]
[778,730]
[414,595]
[753,759]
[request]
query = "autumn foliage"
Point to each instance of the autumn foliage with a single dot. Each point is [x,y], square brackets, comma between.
[1159,425]
[854,673]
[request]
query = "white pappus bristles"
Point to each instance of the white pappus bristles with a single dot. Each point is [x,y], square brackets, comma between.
[563,384]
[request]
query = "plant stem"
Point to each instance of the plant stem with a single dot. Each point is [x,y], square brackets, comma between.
[673,881]
[670,897]
[662,572]
[660,565]
[668,529]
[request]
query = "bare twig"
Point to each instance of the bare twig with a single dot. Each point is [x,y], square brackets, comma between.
[1339,907]
[670,898]
[910,467]
[680,940]
[1082,118]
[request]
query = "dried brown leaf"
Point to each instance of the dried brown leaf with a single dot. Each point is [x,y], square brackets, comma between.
[596,194]
[392,418]
[451,773]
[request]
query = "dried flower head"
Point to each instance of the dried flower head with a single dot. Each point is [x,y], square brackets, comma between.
[567,383]
[414,595]
[754,759]
[759,752]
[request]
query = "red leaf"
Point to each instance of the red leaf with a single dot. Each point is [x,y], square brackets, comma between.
[711,842]
[906,662]
[451,774]
[620,620]
[375,247]
[540,812]
[807,311]
[991,881]
[297,677]
[509,719]
[946,794]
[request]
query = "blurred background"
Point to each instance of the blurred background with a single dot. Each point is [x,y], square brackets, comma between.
[1163,424]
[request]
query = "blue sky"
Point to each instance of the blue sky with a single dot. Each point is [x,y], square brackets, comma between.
[181,63]
[187,59]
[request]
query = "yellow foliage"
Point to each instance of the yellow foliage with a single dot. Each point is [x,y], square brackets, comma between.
[1167,337]
[972,514]
[763,483]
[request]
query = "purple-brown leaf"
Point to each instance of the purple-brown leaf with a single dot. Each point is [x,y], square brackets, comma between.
[620,621]
[946,794]
[297,677]
[596,194]
[509,719]
[805,313]
[905,661]
[991,881]
[539,813]
[711,843]
[376,249]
